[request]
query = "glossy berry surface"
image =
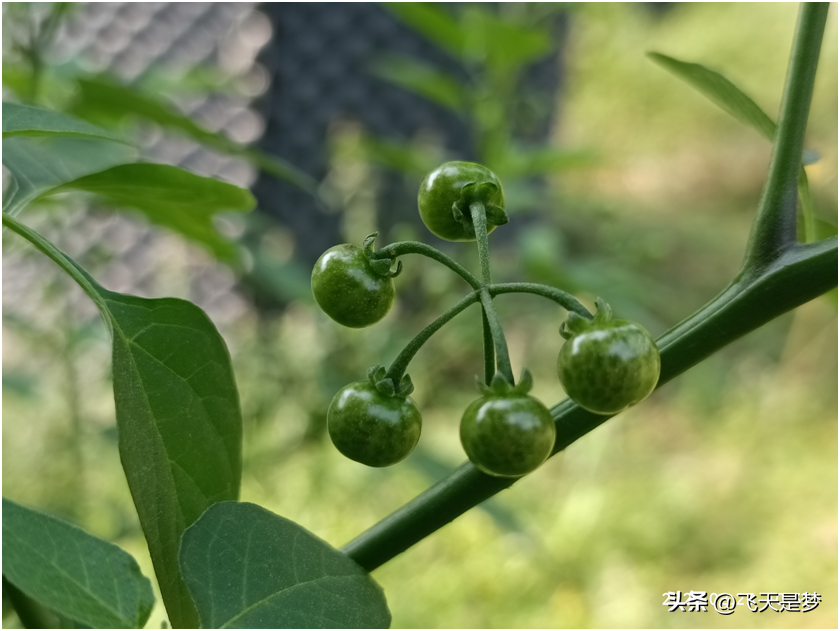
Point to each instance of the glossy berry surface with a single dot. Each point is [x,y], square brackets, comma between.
[348,290]
[459,184]
[608,365]
[373,428]
[507,435]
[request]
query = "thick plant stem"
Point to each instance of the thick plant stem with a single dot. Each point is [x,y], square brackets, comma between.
[397,369]
[802,274]
[778,275]
[774,228]
[416,247]
[567,301]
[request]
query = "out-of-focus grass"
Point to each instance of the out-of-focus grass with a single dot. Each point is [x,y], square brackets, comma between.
[724,481]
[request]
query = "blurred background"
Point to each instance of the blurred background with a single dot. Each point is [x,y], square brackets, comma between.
[621,182]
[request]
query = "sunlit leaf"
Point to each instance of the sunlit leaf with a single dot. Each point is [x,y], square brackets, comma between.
[248,568]
[178,415]
[102,99]
[721,91]
[731,99]
[170,197]
[24,120]
[72,572]
[40,164]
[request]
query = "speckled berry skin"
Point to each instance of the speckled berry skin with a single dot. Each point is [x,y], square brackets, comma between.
[507,435]
[348,290]
[372,428]
[442,188]
[609,366]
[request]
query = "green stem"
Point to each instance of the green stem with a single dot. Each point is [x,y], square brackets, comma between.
[502,357]
[479,218]
[416,247]
[801,274]
[400,364]
[489,315]
[778,275]
[489,353]
[567,301]
[61,259]
[774,229]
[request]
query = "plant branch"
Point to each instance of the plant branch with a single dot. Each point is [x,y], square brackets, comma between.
[500,345]
[416,247]
[799,275]
[565,300]
[398,367]
[479,218]
[61,259]
[489,351]
[774,229]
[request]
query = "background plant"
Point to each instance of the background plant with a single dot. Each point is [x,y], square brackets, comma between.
[631,541]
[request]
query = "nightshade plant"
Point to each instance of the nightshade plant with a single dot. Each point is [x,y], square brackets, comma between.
[223,563]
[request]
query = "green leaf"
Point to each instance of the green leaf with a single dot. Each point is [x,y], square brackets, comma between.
[40,164]
[24,120]
[721,91]
[102,99]
[432,22]
[178,415]
[732,100]
[422,79]
[171,197]
[75,574]
[502,45]
[249,568]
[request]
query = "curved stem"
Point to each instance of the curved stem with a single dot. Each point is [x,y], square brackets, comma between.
[801,274]
[502,357]
[416,247]
[397,369]
[565,300]
[778,276]
[774,228]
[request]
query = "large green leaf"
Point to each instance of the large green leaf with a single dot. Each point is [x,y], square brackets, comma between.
[170,197]
[40,164]
[731,99]
[75,574]
[421,79]
[178,415]
[25,120]
[248,568]
[106,100]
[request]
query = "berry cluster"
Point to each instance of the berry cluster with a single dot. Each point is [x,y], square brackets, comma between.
[605,366]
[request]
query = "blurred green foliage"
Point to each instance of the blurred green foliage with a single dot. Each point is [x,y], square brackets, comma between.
[724,481]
